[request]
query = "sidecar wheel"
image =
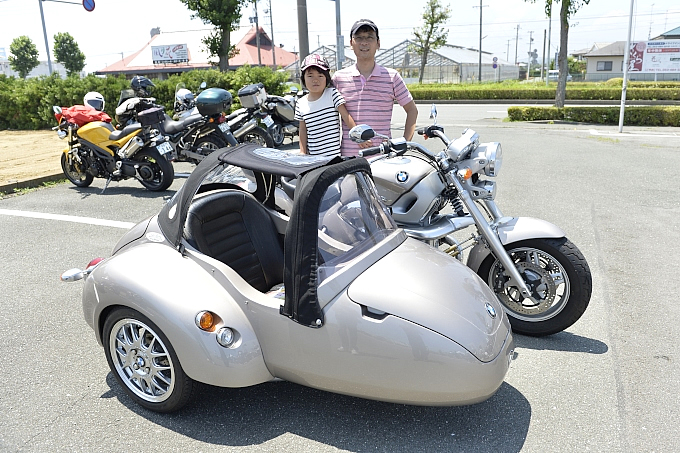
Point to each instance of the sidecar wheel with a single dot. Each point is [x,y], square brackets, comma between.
[144,362]
[75,173]
[158,174]
[276,132]
[559,277]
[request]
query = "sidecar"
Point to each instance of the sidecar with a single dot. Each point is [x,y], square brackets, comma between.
[222,289]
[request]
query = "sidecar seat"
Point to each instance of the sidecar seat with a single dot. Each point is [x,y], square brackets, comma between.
[233,227]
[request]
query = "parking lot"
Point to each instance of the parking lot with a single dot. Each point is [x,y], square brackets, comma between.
[609,383]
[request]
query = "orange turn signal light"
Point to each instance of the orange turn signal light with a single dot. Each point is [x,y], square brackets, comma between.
[205,321]
[465,173]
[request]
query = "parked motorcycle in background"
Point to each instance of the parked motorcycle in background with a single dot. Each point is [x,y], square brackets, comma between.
[97,150]
[193,136]
[540,277]
[282,111]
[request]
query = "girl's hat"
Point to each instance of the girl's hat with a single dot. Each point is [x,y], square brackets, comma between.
[315,60]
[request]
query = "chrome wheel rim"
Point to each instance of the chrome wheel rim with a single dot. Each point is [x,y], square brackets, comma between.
[546,277]
[141,360]
[277,133]
[255,138]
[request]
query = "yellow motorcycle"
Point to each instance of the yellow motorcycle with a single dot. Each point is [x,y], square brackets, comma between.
[97,150]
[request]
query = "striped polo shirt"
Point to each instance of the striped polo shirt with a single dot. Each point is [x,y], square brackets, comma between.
[322,120]
[370,101]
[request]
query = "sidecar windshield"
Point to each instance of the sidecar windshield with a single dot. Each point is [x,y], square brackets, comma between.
[351,220]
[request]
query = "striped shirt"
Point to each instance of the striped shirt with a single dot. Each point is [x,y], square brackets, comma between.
[322,120]
[370,101]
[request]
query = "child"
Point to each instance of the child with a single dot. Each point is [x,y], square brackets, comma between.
[320,131]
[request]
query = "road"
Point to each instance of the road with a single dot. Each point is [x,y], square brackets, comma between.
[609,383]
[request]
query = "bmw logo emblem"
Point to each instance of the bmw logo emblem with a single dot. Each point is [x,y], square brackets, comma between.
[402,176]
[490,310]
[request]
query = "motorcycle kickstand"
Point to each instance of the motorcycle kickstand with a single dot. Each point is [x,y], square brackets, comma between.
[105,185]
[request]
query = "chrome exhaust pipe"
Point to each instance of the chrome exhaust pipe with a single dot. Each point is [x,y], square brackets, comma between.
[249,126]
[131,147]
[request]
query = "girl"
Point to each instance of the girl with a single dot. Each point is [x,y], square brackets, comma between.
[320,131]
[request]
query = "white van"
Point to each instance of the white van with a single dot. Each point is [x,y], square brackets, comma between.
[553,74]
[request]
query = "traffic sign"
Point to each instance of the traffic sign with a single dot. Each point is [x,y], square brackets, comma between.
[88,5]
[495,59]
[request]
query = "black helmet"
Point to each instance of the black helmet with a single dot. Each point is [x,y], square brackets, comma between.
[141,86]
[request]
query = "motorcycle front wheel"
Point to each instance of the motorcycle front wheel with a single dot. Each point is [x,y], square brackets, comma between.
[557,275]
[259,136]
[144,362]
[75,172]
[276,132]
[158,173]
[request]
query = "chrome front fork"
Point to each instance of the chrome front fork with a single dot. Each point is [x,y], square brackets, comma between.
[489,235]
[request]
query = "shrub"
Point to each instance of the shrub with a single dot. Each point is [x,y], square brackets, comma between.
[633,116]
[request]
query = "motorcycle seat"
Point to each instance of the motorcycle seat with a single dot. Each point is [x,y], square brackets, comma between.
[171,126]
[234,228]
[127,130]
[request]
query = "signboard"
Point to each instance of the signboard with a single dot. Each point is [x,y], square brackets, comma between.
[174,53]
[88,5]
[654,56]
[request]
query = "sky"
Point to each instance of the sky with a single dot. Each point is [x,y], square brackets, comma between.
[119,28]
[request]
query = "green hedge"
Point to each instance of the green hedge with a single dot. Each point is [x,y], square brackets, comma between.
[27,104]
[490,92]
[634,116]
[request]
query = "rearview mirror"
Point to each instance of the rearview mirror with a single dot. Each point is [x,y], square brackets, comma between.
[361,133]
[56,109]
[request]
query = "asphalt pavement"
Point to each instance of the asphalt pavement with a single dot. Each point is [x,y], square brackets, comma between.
[609,383]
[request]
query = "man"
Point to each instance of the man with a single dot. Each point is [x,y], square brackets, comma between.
[370,89]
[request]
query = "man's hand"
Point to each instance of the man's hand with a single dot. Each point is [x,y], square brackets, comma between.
[366,144]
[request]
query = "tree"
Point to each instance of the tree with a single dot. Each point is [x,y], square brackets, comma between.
[567,9]
[67,52]
[24,56]
[224,15]
[431,35]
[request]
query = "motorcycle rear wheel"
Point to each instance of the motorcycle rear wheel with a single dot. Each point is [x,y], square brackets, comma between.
[558,275]
[259,136]
[276,132]
[75,172]
[162,171]
[208,144]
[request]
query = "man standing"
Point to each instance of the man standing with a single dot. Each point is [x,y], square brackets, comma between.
[370,89]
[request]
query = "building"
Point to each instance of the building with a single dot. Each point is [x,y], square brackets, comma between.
[175,52]
[670,34]
[41,70]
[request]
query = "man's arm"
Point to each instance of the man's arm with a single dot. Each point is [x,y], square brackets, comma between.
[411,117]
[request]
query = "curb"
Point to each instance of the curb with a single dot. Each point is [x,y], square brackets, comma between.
[30,183]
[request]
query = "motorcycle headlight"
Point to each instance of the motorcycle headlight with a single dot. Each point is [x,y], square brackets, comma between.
[494,156]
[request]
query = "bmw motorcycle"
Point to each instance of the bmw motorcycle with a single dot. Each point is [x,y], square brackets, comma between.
[97,150]
[540,277]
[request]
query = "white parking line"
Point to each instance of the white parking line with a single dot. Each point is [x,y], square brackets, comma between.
[631,134]
[68,218]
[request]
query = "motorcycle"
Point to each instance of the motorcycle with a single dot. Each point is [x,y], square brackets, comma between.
[97,150]
[540,277]
[193,136]
[335,297]
[282,111]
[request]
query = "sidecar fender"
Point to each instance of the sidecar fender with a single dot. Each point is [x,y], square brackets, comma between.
[514,229]
[171,289]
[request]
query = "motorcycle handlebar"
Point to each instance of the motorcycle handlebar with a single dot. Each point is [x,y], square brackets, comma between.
[372,150]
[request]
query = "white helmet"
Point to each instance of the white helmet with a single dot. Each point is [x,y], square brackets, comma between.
[94,100]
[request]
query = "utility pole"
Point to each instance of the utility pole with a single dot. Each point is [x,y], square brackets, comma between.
[543,61]
[531,39]
[47,47]
[339,39]
[271,24]
[507,51]
[516,42]
[548,52]
[479,77]
[303,34]
[257,34]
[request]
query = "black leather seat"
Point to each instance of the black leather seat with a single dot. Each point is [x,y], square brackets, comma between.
[127,130]
[233,227]
[172,127]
